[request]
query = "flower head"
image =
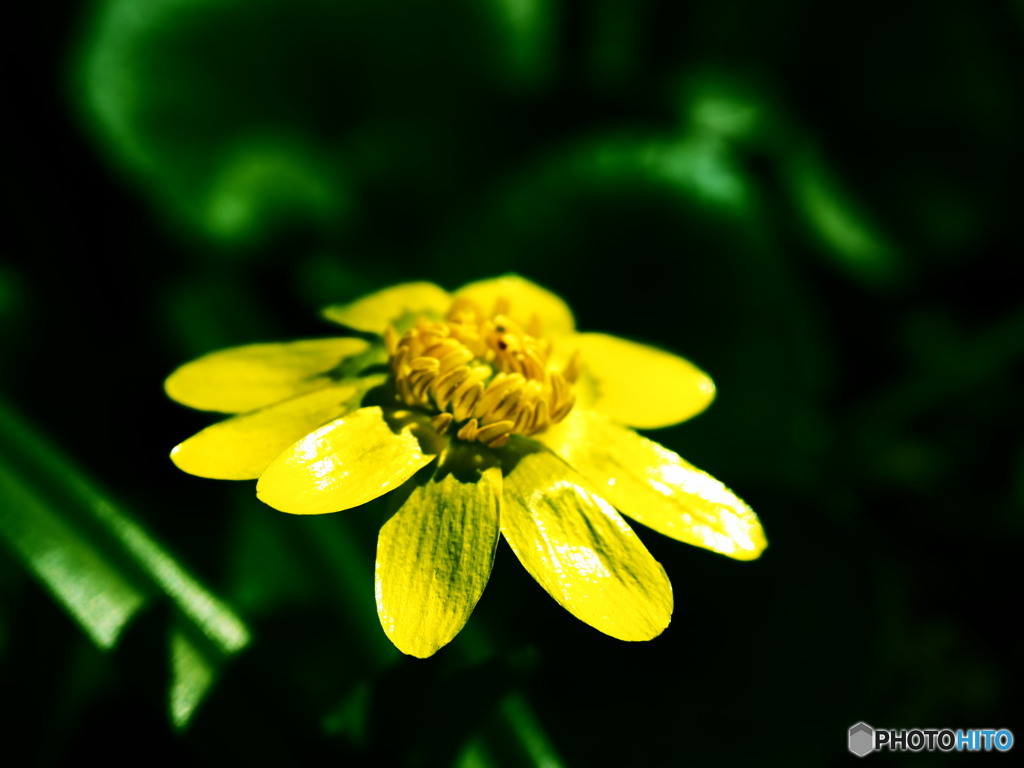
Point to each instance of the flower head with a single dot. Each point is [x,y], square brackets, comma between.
[488,415]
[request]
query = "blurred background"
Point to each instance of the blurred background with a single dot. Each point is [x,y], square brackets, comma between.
[817,203]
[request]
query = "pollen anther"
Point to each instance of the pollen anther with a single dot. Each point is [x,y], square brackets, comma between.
[485,377]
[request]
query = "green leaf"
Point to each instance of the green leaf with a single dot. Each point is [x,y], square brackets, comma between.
[515,738]
[841,225]
[92,590]
[193,673]
[103,567]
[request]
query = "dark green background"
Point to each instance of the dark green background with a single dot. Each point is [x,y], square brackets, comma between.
[817,203]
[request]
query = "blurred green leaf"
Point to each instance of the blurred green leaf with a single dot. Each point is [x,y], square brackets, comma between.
[192,675]
[261,187]
[103,567]
[529,37]
[100,597]
[245,119]
[842,227]
[515,738]
[527,728]
[701,166]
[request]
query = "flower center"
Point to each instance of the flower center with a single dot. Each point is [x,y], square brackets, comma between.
[485,376]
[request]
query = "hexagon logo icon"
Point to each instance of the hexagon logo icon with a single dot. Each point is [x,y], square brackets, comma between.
[862,739]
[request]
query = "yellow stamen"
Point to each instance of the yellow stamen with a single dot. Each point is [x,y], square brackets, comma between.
[441,422]
[485,377]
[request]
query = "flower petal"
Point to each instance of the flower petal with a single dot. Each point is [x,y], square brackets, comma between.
[434,557]
[639,385]
[241,447]
[396,305]
[343,464]
[581,550]
[656,487]
[245,378]
[525,298]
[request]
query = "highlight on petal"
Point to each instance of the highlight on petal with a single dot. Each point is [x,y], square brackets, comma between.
[581,550]
[241,447]
[656,487]
[525,299]
[256,375]
[434,558]
[398,305]
[639,385]
[344,463]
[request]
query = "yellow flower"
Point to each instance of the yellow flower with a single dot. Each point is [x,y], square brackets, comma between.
[488,414]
